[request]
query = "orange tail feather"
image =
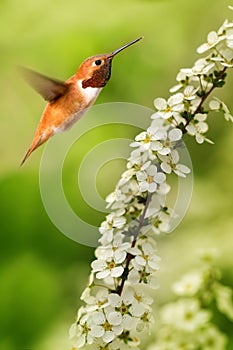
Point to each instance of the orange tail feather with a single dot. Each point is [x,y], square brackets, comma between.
[26,156]
[31,149]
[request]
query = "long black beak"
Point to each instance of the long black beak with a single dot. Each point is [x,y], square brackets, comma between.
[114,53]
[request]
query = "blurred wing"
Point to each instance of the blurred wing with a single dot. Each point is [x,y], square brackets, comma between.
[50,89]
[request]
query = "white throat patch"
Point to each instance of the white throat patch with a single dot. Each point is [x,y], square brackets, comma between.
[90,93]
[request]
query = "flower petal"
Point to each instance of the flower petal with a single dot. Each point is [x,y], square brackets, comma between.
[160,103]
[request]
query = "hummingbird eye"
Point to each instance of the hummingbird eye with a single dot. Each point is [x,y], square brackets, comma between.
[98,62]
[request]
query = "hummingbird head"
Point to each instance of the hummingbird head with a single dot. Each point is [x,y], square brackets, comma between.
[95,71]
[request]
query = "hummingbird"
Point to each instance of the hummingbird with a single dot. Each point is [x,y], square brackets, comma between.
[69,100]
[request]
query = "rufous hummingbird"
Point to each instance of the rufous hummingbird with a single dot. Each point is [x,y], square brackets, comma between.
[69,100]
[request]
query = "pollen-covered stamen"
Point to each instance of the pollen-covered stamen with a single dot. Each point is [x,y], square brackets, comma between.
[150,179]
[146,257]
[138,297]
[147,138]
[101,303]
[86,329]
[107,326]
[144,317]
[124,309]
[167,143]
[143,276]
[168,109]
[111,265]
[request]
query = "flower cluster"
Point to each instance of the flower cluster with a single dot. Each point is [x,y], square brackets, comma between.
[197,83]
[117,306]
[117,303]
[188,322]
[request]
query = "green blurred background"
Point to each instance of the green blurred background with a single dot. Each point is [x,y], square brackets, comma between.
[42,271]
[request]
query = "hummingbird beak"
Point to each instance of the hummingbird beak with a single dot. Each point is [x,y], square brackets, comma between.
[114,53]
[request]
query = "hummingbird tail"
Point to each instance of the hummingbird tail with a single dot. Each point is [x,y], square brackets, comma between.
[31,149]
[26,156]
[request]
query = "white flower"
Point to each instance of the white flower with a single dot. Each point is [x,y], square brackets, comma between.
[139,156]
[224,300]
[167,109]
[225,26]
[195,103]
[214,105]
[113,252]
[130,190]
[224,55]
[189,285]
[138,301]
[99,344]
[201,67]
[87,297]
[133,342]
[99,301]
[211,338]
[161,139]
[169,141]
[125,177]
[105,268]
[198,127]
[185,315]
[182,80]
[146,321]
[162,222]
[115,199]
[145,256]
[190,92]
[80,332]
[229,38]
[219,106]
[105,326]
[114,220]
[147,140]
[212,40]
[125,310]
[141,275]
[170,164]
[150,178]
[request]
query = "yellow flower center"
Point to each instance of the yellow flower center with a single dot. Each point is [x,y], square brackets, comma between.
[123,309]
[144,317]
[150,179]
[188,316]
[138,297]
[107,326]
[147,139]
[100,303]
[167,143]
[85,328]
[111,265]
[143,275]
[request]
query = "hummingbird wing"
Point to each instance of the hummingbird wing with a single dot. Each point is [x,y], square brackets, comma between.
[50,89]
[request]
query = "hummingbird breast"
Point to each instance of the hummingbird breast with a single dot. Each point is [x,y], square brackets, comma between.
[62,113]
[84,100]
